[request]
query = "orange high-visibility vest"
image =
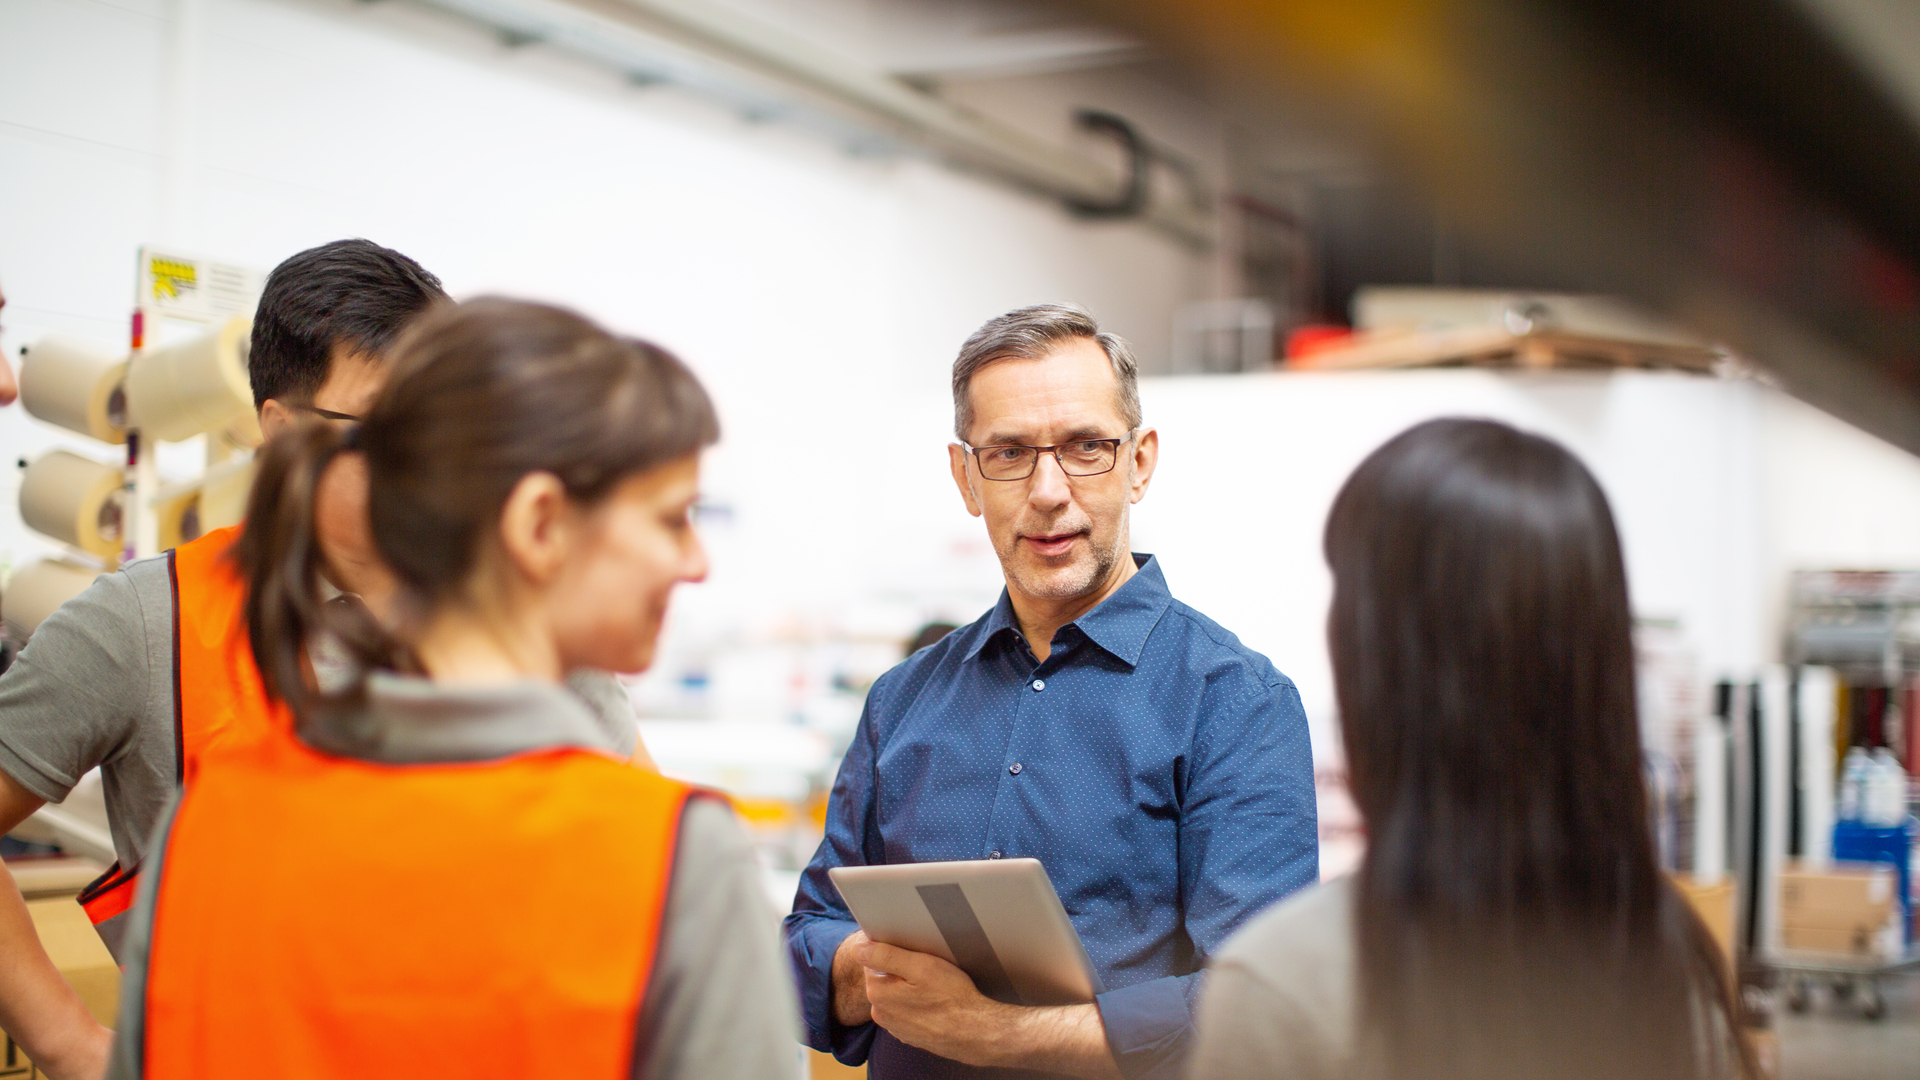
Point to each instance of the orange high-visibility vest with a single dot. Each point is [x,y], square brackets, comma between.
[218,694]
[330,917]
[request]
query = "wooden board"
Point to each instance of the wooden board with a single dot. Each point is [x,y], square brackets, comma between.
[1492,346]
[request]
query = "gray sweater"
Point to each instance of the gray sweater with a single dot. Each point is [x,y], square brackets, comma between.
[720,1001]
[1280,999]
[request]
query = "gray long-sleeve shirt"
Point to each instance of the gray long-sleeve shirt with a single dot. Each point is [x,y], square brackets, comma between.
[720,1002]
[94,687]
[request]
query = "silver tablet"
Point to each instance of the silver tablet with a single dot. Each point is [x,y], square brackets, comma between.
[998,920]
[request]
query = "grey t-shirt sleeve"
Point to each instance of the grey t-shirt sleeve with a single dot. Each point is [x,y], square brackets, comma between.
[720,1003]
[612,709]
[74,694]
[94,687]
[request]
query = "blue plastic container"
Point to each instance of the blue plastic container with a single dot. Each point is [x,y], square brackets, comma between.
[1854,842]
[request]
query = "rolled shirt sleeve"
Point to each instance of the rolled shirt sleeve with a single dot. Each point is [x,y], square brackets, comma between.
[1242,836]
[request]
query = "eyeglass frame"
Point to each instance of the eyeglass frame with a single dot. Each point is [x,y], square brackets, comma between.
[327,414]
[974,453]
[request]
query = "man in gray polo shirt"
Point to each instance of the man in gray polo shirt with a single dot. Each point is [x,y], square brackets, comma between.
[94,687]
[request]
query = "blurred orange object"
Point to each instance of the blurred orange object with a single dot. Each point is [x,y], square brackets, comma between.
[1304,342]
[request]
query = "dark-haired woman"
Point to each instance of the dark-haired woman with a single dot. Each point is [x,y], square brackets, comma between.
[440,870]
[1508,919]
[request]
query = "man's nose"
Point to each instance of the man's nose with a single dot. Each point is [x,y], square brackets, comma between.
[1048,486]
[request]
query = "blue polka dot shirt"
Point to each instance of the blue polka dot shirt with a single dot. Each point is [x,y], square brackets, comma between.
[1159,769]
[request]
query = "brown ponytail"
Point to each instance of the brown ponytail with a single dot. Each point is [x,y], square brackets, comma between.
[481,394]
[281,559]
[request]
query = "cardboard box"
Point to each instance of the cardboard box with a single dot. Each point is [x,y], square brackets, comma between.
[1714,905]
[60,876]
[80,956]
[1840,898]
[1856,942]
[1845,910]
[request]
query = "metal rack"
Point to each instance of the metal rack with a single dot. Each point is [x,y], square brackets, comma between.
[1865,626]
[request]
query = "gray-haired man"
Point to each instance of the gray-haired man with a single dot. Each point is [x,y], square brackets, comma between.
[1159,769]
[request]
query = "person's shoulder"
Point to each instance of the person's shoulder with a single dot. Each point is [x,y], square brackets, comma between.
[1298,941]
[1222,649]
[117,605]
[1282,996]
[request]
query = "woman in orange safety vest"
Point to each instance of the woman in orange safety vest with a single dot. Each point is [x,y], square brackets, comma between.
[437,870]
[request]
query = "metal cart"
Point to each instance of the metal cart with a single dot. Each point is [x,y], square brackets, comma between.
[1848,978]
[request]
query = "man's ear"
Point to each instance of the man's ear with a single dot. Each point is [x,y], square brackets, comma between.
[957,460]
[1146,455]
[274,418]
[537,526]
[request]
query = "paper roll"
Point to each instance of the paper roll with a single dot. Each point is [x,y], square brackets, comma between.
[179,391]
[215,502]
[76,384]
[75,500]
[37,590]
[178,520]
[223,498]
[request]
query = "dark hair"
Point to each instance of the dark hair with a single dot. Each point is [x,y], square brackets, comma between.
[1029,334]
[350,292]
[482,394]
[1511,919]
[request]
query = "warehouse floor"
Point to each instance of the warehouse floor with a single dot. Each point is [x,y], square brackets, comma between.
[1832,1041]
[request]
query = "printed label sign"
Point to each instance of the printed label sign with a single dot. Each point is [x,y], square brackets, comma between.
[181,286]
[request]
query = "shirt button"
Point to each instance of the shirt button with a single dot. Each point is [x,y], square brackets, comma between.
[994,854]
[1039,685]
[1014,768]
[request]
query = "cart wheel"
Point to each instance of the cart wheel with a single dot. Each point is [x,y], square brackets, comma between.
[1873,1005]
[1799,993]
[1842,987]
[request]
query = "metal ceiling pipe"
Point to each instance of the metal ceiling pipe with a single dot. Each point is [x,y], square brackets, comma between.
[765,70]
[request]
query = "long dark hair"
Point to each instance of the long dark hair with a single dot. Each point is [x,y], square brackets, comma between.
[1511,918]
[481,394]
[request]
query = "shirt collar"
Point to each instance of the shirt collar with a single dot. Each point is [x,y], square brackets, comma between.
[1119,624]
[409,720]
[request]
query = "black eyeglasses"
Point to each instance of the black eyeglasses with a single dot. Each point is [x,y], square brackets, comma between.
[328,413]
[1083,457]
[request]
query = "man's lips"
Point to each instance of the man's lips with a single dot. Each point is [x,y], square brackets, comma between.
[1053,544]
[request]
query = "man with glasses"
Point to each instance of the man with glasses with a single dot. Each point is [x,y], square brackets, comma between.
[1156,767]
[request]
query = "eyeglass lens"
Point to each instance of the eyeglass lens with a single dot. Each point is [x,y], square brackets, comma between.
[1090,458]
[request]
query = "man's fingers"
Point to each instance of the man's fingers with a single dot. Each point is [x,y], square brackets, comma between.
[889,959]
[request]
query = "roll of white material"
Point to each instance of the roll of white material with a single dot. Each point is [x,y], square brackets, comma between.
[1710,801]
[179,520]
[1818,686]
[223,498]
[37,590]
[75,500]
[76,384]
[179,391]
[216,501]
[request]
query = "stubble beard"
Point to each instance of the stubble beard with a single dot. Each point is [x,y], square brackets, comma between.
[1076,579]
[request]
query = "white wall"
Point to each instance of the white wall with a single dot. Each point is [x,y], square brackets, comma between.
[1719,488]
[821,295]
